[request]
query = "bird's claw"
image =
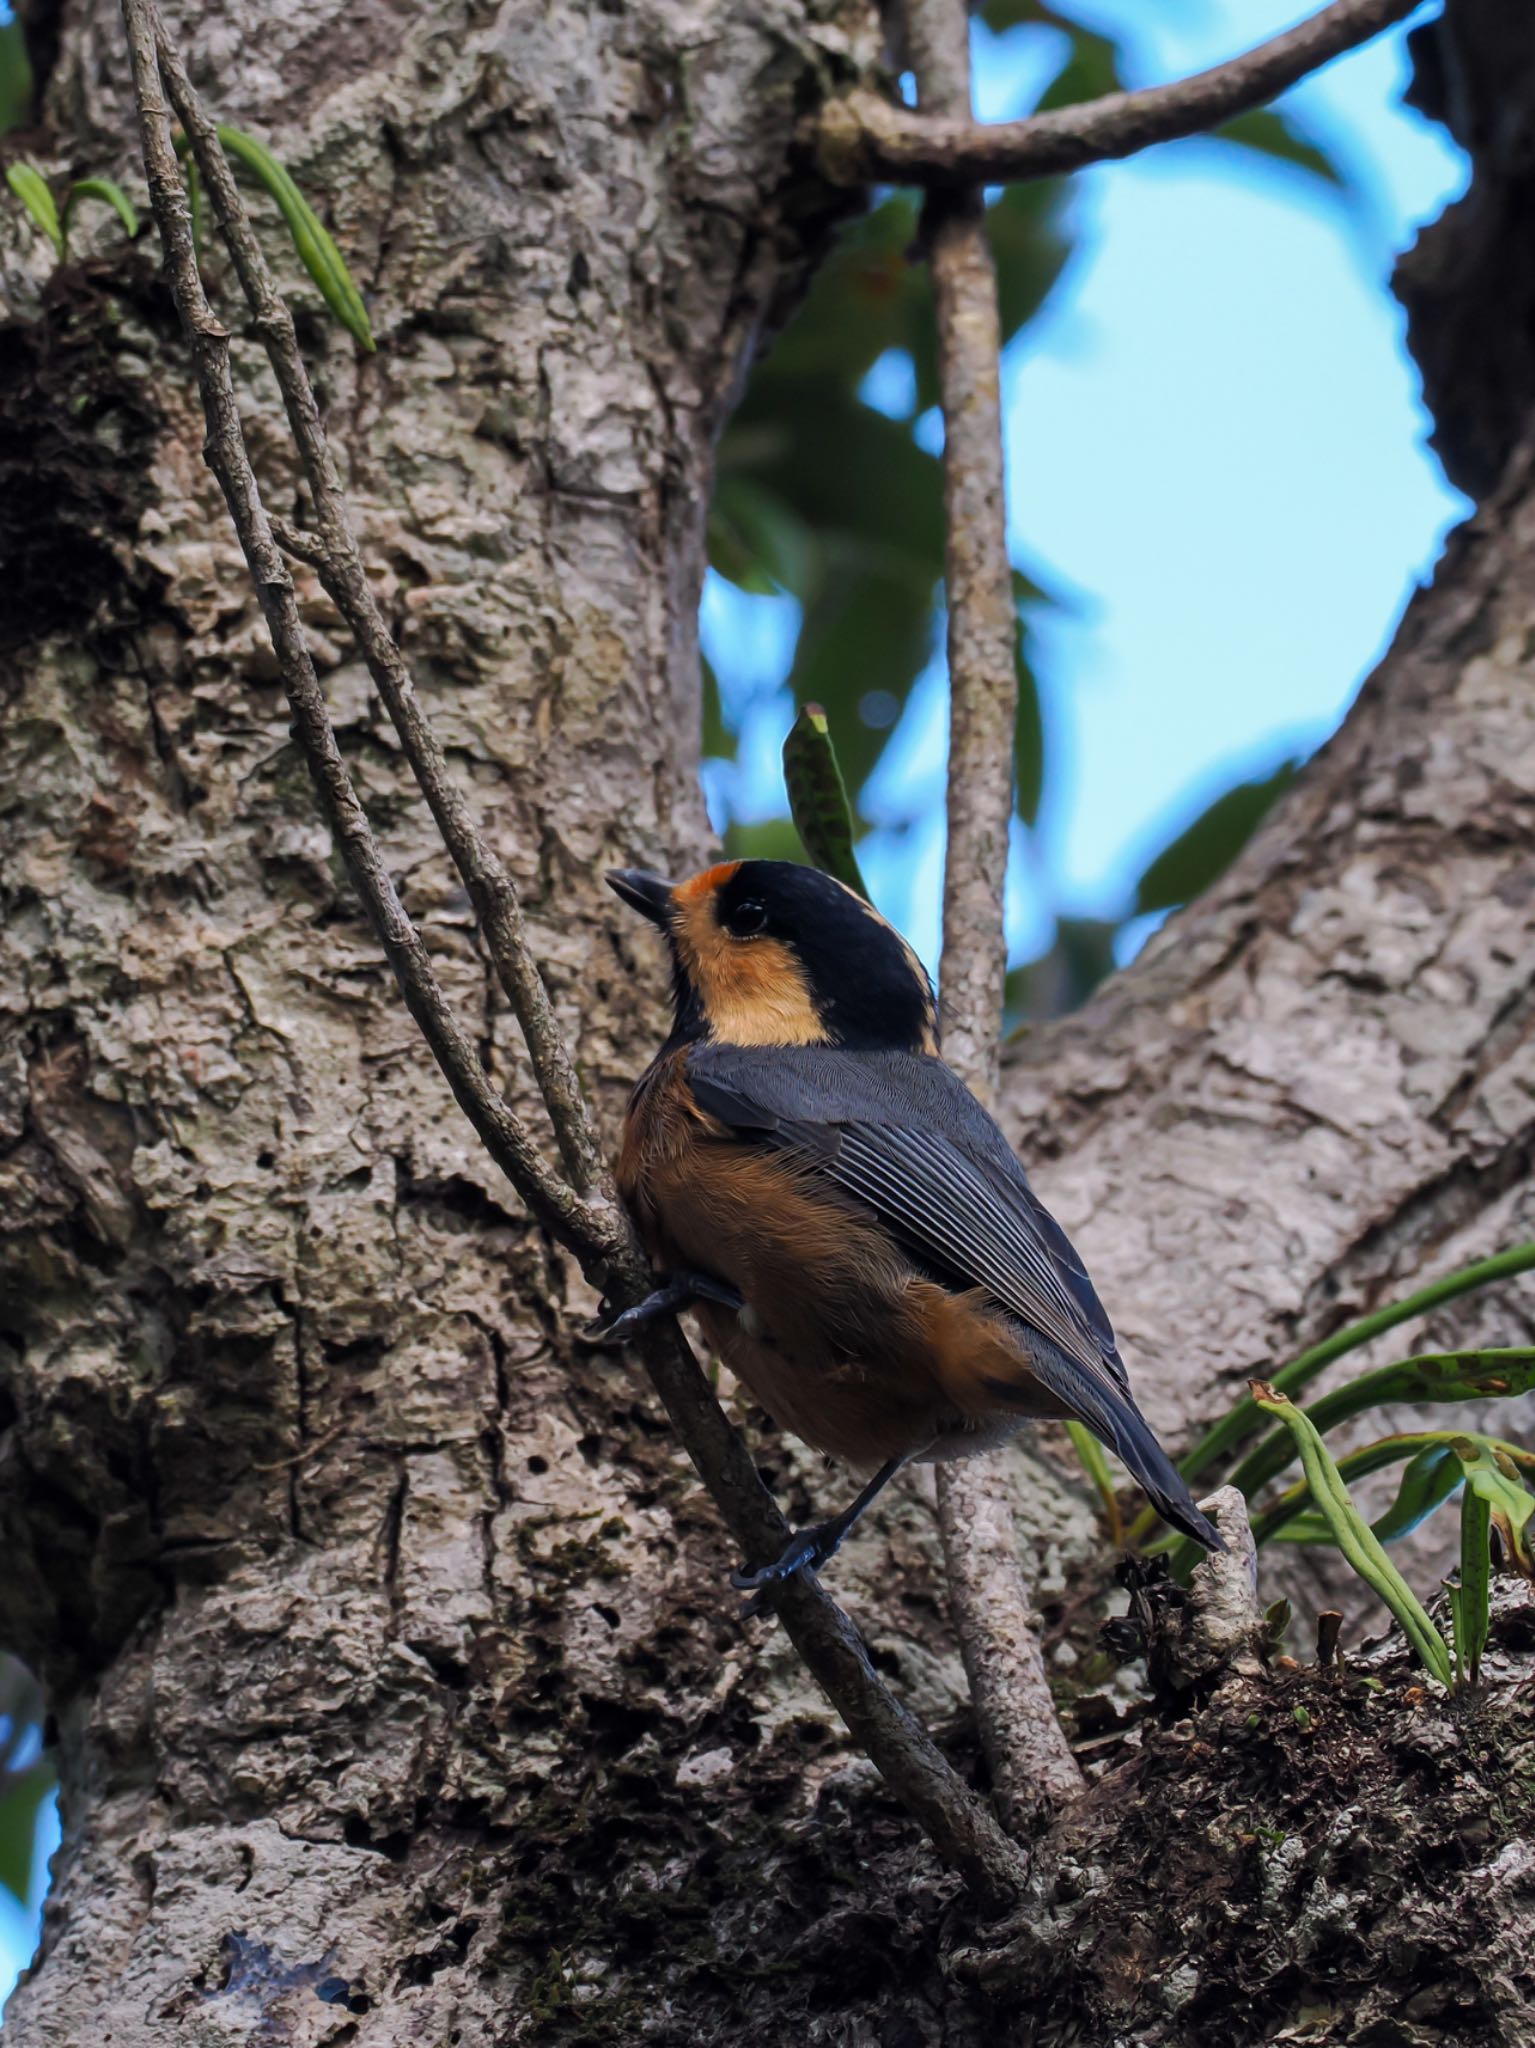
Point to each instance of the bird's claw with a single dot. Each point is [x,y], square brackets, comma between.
[677,1293]
[806,1551]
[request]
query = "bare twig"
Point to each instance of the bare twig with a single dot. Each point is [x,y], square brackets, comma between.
[1031,1761]
[339,563]
[863,139]
[1032,1765]
[503,1134]
[961,1829]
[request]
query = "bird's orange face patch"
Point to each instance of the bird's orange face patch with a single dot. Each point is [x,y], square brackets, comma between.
[752,991]
[697,887]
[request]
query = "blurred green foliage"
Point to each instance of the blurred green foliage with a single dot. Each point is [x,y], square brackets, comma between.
[838,504]
[26,1779]
[15,77]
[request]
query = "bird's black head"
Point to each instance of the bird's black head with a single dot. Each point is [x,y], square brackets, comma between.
[767,953]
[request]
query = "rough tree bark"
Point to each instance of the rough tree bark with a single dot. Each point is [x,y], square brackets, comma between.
[398,1694]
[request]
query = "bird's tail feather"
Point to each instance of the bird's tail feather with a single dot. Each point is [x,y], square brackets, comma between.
[1113,1417]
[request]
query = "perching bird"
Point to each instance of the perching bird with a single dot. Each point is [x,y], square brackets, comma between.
[861,1245]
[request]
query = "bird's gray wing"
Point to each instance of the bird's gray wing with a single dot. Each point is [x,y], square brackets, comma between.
[902,1134]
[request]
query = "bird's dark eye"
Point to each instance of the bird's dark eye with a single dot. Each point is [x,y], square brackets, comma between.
[747,919]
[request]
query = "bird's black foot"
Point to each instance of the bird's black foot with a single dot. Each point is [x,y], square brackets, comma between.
[806,1551]
[678,1292]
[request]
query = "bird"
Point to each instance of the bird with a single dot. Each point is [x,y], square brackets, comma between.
[856,1235]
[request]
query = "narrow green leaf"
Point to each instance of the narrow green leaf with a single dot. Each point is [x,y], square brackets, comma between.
[1204,850]
[110,193]
[27,182]
[1433,1377]
[21,1801]
[1096,1465]
[818,801]
[1432,1476]
[1308,1528]
[1352,1535]
[1244,1418]
[1473,1596]
[1430,1479]
[317,252]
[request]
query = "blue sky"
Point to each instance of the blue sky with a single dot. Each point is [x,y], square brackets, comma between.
[1215,452]
[1216,455]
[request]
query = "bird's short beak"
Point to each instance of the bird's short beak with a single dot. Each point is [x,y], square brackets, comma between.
[650,895]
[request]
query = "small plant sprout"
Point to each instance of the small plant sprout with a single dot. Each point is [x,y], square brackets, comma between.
[1352,1534]
[31,188]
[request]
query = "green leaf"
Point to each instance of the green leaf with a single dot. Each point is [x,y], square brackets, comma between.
[1353,1537]
[1471,1600]
[1493,1475]
[867,296]
[853,475]
[818,798]
[715,740]
[27,182]
[1304,1528]
[1204,850]
[1028,735]
[1096,1465]
[317,252]
[1431,1477]
[864,632]
[1062,979]
[21,1801]
[15,77]
[1243,1418]
[1028,249]
[1433,1377]
[110,194]
[767,839]
[1273,134]
[758,542]
[1091,70]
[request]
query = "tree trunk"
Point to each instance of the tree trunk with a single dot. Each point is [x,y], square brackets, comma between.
[398,1692]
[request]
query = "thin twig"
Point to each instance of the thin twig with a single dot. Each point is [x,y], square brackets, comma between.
[961,1828]
[503,1134]
[1031,1761]
[340,565]
[863,139]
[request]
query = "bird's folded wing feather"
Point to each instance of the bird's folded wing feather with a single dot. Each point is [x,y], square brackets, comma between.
[901,1133]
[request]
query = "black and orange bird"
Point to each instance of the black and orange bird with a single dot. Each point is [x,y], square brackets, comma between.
[861,1245]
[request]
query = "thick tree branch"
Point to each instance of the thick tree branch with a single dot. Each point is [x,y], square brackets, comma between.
[961,1829]
[1031,1762]
[862,139]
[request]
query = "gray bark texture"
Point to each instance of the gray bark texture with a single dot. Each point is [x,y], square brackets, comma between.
[398,1694]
